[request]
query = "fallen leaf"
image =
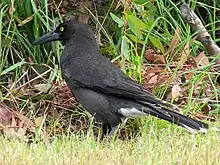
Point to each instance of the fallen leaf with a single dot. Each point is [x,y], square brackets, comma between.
[197,88]
[176,91]
[55,113]
[149,55]
[11,133]
[159,59]
[206,109]
[38,121]
[43,87]
[5,115]
[189,75]
[201,116]
[82,10]
[201,60]
[13,122]
[155,76]
[155,58]
[191,61]
[184,55]
[208,90]
[13,130]
[162,79]
[175,41]
[64,97]
[21,132]
[153,80]
[27,122]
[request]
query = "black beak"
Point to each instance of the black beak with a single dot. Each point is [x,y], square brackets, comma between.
[51,36]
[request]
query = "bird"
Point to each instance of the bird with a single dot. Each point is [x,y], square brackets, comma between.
[102,88]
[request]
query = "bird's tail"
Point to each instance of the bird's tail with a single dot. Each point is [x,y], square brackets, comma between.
[190,124]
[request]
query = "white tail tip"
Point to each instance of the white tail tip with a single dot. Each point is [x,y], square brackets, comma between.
[194,131]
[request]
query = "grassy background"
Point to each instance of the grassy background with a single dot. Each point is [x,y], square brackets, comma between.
[31,85]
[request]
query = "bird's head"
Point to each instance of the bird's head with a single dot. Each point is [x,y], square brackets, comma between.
[66,31]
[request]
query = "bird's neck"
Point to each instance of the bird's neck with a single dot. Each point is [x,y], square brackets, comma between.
[80,47]
[83,43]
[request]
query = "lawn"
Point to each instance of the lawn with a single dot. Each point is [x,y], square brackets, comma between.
[170,146]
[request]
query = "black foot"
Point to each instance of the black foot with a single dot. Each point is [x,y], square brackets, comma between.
[108,130]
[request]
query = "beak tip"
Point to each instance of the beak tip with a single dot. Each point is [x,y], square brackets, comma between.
[34,43]
[51,36]
[37,42]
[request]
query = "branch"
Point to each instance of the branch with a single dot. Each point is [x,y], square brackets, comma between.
[203,36]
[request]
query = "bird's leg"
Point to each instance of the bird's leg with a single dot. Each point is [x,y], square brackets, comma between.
[108,129]
[113,129]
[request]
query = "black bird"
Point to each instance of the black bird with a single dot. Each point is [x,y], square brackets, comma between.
[102,88]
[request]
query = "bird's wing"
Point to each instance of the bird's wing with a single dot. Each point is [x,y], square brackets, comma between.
[128,88]
[105,77]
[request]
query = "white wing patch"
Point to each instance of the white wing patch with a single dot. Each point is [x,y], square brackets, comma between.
[131,112]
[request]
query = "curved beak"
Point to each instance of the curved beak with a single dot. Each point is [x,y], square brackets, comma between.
[51,36]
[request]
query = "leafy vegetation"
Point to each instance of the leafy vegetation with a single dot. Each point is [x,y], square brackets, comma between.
[149,40]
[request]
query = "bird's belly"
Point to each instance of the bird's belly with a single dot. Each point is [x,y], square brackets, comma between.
[98,105]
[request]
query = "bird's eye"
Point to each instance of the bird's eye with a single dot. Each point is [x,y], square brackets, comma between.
[61,28]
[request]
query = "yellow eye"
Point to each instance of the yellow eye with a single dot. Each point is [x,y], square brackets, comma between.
[61,29]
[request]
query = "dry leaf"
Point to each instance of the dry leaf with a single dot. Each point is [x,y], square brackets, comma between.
[201,60]
[184,55]
[162,79]
[11,133]
[14,131]
[201,116]
[189,75]
[155,77]
[64,97]
[205,116]
[197,88]
[159,59]
[21,132]
[13,122]
[38,121]
[27,123]
[176,91]
[43,87]
[149,55]
[82,8]
[5,115]
[206,109]
[153,80]
[175,41]
[55,113]
[155,58]
[191,61]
